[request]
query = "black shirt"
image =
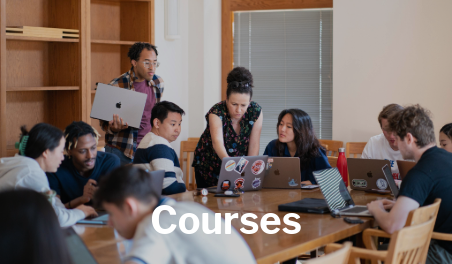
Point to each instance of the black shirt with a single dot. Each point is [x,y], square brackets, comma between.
[429,179]
[69,184]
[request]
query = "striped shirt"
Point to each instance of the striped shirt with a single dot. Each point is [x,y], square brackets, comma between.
[126,140]
[156,153]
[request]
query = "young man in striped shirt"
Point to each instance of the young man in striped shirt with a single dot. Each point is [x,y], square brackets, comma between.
[155,151]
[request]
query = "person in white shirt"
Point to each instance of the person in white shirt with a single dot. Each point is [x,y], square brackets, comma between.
[126,194]
[40,151]
[384,145]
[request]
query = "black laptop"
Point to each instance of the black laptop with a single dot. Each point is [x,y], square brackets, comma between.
[77,249]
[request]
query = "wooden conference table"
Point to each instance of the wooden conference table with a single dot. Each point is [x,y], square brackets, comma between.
[316,229]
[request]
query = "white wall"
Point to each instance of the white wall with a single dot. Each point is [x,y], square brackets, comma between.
[191,65]
[173,57]
[386,52]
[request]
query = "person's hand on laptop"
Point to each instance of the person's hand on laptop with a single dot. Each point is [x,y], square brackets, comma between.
[117,124]
[383,204]
[88,210]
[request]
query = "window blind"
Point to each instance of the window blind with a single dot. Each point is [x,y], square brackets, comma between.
[289,54]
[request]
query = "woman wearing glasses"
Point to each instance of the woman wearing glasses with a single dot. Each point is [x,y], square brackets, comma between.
[233,129]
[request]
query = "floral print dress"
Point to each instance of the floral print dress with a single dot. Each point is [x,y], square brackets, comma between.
[206,161]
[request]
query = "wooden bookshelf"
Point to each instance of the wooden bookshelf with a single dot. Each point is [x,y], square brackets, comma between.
[52,80]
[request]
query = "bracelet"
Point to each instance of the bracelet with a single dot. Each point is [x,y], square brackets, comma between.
[69,204]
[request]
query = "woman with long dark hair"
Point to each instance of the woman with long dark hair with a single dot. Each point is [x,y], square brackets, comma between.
[445,137]
[296,138]
[40,151]
[29,230]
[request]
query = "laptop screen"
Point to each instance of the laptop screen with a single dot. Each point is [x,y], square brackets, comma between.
[333,188]
[392,185]
[77,249]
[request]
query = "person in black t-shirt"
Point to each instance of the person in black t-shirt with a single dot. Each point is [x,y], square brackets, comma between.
[76,179]
[429,179]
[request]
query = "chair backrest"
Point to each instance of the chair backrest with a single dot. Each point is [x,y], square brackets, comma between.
[188,147]
[352,149]
[422,215]
[333,146]
[339,256]
[332,161]
[409,244]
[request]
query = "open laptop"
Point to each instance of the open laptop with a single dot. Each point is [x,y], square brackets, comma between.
[405,167]
[127,104]
[78,251]
[157,184]
[246,173]
[283,173]
[336,194]
[365,174]
[390,180]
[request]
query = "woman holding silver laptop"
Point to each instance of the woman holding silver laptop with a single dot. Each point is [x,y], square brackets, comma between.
[233,129]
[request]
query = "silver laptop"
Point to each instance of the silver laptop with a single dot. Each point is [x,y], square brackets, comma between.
[245,173]
[366,174]
[283,173]
[127,104]
[78,251]
[336,194]
[390,180]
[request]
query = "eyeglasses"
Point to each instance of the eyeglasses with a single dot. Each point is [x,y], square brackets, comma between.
[148,64]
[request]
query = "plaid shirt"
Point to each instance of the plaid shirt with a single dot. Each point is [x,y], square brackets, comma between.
[126,140]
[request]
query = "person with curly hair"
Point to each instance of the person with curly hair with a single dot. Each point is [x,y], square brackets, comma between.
[76,179]
[233,129]
[120,139]
[428,180]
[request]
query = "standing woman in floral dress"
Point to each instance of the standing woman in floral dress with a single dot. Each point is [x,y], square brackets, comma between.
[233,129]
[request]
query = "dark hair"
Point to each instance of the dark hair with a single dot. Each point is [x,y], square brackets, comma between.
[447,130]
[160,110]
[305,139]
[40,138]
[416,121]
[29,228]
[124,182]
[76,130]
[240,80]
[136,49]
[389,110]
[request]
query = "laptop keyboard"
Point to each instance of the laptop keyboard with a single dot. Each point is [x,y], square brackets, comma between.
[354,210]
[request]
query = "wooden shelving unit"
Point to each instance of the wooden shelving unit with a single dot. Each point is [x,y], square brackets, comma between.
[109,47]
[52,80]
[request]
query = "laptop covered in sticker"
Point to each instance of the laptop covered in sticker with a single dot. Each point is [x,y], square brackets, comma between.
[245,173]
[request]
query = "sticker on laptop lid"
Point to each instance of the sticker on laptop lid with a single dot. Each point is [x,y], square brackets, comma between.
[239,183]
[225,185]
[256,183]
[359,183]
[293,183]
[382,184]
[230,165]
[241,165]
[258,167]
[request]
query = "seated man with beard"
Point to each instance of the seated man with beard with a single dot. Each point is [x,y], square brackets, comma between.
[76,179]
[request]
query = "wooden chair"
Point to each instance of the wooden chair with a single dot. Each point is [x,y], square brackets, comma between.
[332,161]
[333,146]
[407,246]
[339,256]
[188,147]
[415,217]
[354,148]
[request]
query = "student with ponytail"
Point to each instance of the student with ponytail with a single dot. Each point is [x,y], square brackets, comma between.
[40,151]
